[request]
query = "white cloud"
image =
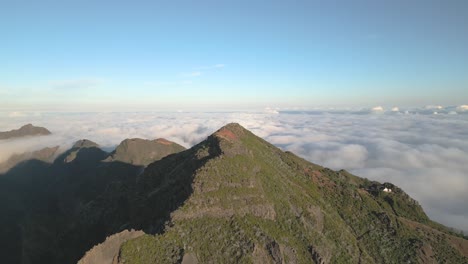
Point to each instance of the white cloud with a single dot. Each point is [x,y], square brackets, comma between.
[462,108]
[271,110]
[395,109]
[378,109]
[422,153]
[191,74]
[16,114]
[434,107]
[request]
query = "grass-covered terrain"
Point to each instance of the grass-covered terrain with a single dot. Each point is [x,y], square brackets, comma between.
[249,202]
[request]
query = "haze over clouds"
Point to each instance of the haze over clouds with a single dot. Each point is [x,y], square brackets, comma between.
[424,154]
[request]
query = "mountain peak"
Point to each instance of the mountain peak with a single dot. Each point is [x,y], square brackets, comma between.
[27,126]
[83,152]
[239,195]
[85,143]
[231,132]
[26,130]
[142,152]
[164,141]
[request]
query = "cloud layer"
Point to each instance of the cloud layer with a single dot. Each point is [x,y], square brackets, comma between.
[423,153]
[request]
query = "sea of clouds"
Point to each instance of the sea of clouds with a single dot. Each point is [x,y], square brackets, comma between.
[424,151]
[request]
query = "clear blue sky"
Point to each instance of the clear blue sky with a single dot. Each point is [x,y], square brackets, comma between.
[215,54]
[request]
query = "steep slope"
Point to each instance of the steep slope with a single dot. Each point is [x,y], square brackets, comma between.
[142,152]
[108,250]
[44,206]
[83,151]
[26,130]
[235,198]
[46,155]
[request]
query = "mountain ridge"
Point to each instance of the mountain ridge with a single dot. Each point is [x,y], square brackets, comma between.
[232,198]
[142,152]
[43,204]
[26,130]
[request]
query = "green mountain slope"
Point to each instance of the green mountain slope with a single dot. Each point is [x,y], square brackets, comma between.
[235,198]
[142,152]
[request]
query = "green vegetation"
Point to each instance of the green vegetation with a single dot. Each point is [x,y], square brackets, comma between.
[252,203]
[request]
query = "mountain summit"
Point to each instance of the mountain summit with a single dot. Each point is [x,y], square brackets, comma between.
[142,152]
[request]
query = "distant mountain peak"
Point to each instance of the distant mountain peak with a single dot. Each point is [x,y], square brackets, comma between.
[142,152]
[84,151]
[27,126]
[85,143]
[26,130]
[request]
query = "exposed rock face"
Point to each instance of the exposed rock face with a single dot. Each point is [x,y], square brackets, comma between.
[46,155]
[108,251]
[26,130]
[142,152]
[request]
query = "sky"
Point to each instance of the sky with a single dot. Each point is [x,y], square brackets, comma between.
[217,55]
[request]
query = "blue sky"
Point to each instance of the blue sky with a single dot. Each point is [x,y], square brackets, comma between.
[232,54]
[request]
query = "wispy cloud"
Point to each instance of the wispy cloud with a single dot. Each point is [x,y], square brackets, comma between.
[75,84]
[168,83]
[191,74]
[199,71]
[210,67]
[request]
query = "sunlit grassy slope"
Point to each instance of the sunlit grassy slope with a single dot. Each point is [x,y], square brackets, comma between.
[250,202]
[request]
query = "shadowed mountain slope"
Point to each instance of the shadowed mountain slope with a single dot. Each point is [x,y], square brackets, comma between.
[46,155]
[26,130]
[43,204]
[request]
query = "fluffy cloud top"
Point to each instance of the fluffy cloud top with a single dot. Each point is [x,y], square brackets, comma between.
[462,108]
[425,154]
[378,109]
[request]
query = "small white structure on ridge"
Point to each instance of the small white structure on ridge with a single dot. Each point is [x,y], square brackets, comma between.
[387,190]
